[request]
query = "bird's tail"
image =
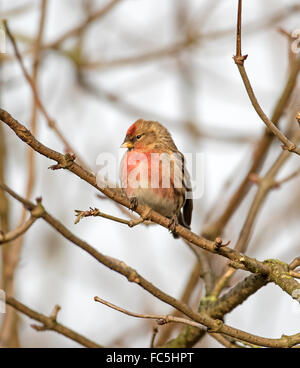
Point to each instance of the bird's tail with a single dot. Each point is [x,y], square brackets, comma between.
[182,223]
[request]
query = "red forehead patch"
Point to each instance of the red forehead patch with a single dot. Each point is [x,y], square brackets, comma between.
[131,130]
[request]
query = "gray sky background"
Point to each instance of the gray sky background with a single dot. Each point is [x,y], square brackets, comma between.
[53,271]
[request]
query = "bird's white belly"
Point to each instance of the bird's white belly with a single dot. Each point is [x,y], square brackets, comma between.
[148,197]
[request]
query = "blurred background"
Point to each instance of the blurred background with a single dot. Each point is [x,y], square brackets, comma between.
[169,61]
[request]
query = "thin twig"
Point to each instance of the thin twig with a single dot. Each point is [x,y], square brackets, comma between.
[39,103]
[270,268]
[295,263]
[50,323]
[154,334]
[239,60]
[14,234]
[193,280]
[96,213]
[214,229]
[251,264]
[160,319]
[289,177]
[224,341]
[98,14]
[202,318]
[294,274]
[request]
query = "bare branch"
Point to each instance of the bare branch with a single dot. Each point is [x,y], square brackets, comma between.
[295,263]
[251,264]
[160,319]
[50,323]
[239,60]
[96,213]
[273,269]
[12,235]
[154,333]
[39,103]
[214,229]
[83,25]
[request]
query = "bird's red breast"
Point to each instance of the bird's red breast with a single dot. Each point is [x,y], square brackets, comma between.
[146,170]
[153,171]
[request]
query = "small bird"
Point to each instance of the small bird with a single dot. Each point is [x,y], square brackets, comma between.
[153,173]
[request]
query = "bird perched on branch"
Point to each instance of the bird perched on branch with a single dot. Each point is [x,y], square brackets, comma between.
[153,173]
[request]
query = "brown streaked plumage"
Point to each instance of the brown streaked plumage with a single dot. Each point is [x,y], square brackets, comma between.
[146,142]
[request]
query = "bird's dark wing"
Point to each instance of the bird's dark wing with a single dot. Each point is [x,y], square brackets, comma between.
[188,204]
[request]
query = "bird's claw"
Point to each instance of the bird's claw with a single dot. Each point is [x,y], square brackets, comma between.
[173,223]
[133,203]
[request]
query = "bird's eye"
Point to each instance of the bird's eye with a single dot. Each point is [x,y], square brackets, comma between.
[138,136]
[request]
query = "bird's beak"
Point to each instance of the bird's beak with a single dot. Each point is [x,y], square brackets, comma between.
[127,144]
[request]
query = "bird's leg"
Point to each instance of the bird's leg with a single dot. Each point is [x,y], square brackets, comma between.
[133,203]
[173,223]
[144,217]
